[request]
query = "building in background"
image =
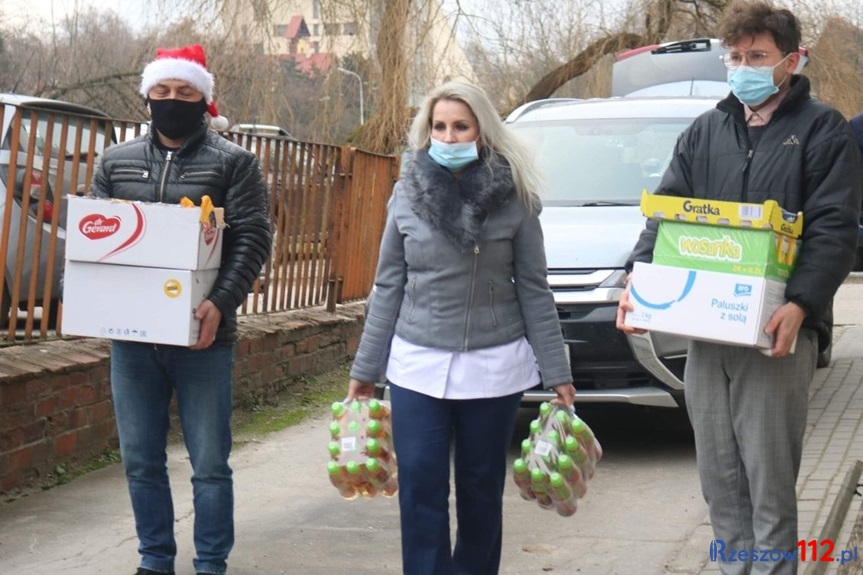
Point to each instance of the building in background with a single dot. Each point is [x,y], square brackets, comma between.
[316,35]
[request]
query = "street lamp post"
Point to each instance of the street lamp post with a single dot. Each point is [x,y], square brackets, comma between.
[360,80]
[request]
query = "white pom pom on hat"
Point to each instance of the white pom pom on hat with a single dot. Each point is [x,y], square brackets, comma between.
[189,64]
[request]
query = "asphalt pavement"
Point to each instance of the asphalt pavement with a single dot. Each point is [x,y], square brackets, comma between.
[643,516]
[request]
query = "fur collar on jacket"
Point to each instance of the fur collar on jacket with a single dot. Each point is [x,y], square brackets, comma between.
[459,206]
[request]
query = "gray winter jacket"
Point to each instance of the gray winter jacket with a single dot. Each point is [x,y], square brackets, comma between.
[462,266]
[207,164]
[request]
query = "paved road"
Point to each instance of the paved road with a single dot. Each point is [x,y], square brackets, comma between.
[643,514]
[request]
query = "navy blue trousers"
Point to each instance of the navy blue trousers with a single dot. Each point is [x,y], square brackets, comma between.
[481,431]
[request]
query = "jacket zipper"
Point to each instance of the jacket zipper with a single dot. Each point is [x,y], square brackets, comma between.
[142,173]
[470,296]
[746,174]
[165,175]
[491,302]
[185,175]
[413,298]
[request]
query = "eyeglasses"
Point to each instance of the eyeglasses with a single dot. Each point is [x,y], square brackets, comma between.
[733,60]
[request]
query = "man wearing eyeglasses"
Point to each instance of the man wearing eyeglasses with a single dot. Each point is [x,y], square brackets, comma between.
[767,140]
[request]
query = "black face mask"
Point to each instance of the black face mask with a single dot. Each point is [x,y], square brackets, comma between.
[176,119]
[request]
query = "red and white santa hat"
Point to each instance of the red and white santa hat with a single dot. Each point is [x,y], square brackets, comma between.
[189,64]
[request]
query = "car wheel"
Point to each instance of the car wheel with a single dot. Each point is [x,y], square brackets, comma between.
[825,356]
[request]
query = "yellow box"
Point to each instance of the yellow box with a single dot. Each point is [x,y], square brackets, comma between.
[766,216]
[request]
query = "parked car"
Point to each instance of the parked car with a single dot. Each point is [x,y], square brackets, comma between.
[30,187]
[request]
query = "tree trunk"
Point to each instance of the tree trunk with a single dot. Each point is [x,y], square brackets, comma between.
[384,132]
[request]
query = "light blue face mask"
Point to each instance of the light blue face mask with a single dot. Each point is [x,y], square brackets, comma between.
[753,85]
[453,156]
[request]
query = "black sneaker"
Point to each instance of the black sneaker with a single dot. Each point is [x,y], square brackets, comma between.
[142,571]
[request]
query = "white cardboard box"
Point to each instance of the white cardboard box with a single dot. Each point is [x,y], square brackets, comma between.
[705,305]
[141,234]
[130,303]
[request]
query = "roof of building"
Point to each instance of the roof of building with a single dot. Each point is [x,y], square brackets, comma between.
[297,28]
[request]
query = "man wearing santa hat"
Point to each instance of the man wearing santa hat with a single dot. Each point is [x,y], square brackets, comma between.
[180,157]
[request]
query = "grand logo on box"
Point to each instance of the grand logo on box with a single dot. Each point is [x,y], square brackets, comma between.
[97,226]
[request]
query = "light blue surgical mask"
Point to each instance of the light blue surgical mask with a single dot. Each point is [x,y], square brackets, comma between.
[753,85]
[453,156]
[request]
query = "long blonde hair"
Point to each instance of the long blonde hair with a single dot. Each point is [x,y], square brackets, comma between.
[492,134]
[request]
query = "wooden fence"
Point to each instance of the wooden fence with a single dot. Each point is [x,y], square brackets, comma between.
[327,203]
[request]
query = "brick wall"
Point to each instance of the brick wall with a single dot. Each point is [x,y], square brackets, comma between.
[55,396]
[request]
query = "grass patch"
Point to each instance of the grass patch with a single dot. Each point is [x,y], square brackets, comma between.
[63,475]
[304,398]
[252,418]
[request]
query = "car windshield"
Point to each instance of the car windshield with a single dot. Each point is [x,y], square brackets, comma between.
[58,146]
[600,162]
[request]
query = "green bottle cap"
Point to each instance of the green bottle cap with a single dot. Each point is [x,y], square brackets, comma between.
[356,406]
[375,407]
[537,474]
[554,437]
[374,427]
[352,467]
[556,479]
[373,446]
[338,408]
[373,465]
[578,425]
[354,427]
[526,446]
[335,428]
[565,462]
[545,409]
[519,465]
[335,448]
[333,468]
[562,416]
[535,426]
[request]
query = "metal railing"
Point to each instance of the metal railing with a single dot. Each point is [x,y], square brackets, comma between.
[327,204]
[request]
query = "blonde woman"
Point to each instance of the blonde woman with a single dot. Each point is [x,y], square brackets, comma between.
[462,322]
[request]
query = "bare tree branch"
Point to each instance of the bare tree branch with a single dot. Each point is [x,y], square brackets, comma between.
[583,62]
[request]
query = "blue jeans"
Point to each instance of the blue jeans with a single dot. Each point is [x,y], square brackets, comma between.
[424,427]
[143,379]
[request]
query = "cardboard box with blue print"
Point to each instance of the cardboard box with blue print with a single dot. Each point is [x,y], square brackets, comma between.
[144,234]
[719,269]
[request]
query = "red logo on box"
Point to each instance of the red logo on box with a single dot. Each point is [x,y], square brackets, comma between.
[210,235]
[97,226]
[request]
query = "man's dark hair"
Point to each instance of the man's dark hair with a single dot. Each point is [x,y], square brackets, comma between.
[748,18]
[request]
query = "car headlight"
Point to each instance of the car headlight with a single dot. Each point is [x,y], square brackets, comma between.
[617,282]
[616,279]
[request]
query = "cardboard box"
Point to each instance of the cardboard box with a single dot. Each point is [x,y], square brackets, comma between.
[750,252]
[760,240]
[130,303]
[704,305]
[768,216]
[142,234]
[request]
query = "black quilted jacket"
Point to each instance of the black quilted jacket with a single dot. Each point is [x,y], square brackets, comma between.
[206,164]
[807,160]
